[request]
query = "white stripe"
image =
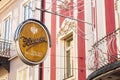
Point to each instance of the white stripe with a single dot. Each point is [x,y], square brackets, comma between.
[101,18]
[89,32]
[101,24]
[117,23]
[75,11]
[48,25]
[57,47]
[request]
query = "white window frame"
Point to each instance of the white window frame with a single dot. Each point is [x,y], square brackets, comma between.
[24,3]
[2,36]
[70,38]
[28,6]
[63,50]
[62,35]
[27,72]
[7,27]
[9,15]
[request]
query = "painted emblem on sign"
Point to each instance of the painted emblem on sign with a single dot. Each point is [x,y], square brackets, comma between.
[34,30]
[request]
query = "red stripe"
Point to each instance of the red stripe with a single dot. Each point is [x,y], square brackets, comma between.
[66,12]
[110,16]
[110,23]
[71,9]
[41,77]
[81,46]
[61,18]
[43,20]
[53,48]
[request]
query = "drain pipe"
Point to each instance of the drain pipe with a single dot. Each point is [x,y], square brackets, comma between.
[42,20]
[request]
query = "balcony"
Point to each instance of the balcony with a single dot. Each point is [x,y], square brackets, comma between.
[104,58]
[4,54]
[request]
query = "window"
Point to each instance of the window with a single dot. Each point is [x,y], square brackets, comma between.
[69,57]
[27,10]
[6,35]
[7,25]
[23,74]
[67,41]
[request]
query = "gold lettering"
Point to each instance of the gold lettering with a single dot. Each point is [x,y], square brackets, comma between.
[30,42]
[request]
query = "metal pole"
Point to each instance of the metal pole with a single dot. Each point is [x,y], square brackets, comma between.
[64,16]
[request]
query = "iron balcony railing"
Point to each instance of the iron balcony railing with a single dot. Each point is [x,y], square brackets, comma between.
[5,54]
[4,49]
[105,51]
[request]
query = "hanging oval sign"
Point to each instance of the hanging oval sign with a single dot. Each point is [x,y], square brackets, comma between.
[32,40]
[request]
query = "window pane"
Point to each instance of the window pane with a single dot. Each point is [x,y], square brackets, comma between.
[7,26]
[68,64]
[69,42]
[30,10]
[27,11]
[69,58]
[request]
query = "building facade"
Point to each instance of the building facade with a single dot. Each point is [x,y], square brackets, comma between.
[12,13]
[105,50]
[84,34]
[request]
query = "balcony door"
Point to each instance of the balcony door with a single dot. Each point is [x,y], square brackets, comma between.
[7,25]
